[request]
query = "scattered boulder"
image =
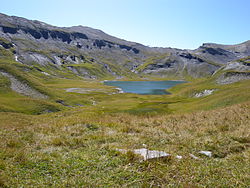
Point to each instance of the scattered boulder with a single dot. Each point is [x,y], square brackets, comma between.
[204,93]
[147,154]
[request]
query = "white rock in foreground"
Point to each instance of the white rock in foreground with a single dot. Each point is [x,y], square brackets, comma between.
[150,154]
[207,153]
[194,157]
[179,157]
[147,154]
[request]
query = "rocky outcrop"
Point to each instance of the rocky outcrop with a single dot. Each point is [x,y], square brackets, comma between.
[44,33]
[232,77]
[223,53]
[23,88]
[237,66]
[147,154]
[204,93]
[235,71]
[181,64]
[6,44]
[35,42]
[29,35]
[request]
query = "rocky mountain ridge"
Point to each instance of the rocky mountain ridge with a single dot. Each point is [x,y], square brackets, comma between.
[91,53]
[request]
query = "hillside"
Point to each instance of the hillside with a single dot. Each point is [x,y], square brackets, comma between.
[60,126]
[91,53]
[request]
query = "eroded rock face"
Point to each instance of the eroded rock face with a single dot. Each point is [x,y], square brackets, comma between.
[47,45]
[180,64]
[23,88]
[237,66]
[222,54]
[214,51]
[6,44]
[11,26]
[44,33]
[232,77]
[36,57]
[191,56]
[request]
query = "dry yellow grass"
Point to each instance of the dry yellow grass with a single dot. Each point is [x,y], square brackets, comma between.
[77,148]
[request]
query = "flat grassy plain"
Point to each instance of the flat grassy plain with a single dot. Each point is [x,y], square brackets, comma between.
[76,146]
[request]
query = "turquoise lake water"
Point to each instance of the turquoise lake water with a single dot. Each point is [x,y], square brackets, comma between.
[144,87]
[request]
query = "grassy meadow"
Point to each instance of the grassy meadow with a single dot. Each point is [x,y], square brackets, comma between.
[75,144]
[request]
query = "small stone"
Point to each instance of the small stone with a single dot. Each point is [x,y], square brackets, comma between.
[194,157]
[179,157]
[150,154]
[146,154]
[207,153]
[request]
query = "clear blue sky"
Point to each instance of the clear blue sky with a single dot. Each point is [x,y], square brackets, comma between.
[162,23]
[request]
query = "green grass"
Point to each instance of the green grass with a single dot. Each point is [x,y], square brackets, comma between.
[224,95]
[181,100]
[6,53]
[76,146]
[92,69]
[13,102]
[25,42]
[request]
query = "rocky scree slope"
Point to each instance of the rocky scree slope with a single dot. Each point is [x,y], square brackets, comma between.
[91,53]
[23,88]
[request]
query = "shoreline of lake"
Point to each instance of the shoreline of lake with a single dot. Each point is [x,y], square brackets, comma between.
[144,87]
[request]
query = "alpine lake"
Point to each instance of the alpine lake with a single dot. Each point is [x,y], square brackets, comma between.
[144,87]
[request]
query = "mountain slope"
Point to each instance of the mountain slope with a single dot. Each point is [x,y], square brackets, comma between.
[91,53]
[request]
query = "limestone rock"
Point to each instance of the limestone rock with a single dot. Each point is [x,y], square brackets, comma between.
[207,153]
[147,154]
